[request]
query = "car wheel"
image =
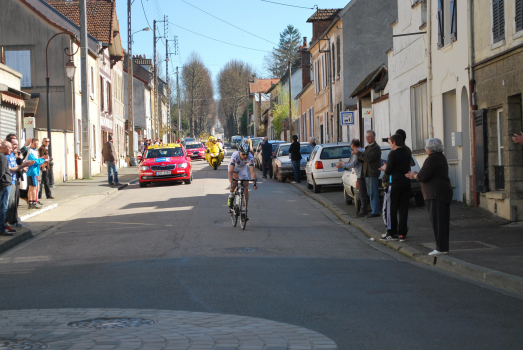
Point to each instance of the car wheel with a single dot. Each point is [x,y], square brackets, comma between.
[348,199]
[315,188]
[188,182]
[143,184]
[420,201]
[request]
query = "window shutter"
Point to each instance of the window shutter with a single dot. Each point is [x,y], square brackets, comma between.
[338,55]
[498,20]
[453,21]
[333,54]
[519,15]
[441,30]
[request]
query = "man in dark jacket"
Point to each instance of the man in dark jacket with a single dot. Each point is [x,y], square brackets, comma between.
[371,160]
[398,164]
[266,149]
[109,155]
[294,151]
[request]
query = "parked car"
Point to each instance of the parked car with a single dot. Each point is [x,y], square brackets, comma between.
[351,190]
[321,166]
[258,154]
[162,163]
[255,142]
[281,162]
[235,140]
[195,150]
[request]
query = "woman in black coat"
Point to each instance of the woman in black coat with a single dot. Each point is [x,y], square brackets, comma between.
[437,192]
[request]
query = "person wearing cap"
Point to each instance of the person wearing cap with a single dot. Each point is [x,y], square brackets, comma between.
[109,155]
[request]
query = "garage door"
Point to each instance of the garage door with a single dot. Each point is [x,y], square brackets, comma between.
[7,120]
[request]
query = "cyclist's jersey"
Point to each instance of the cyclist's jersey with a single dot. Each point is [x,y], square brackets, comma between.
[240,164]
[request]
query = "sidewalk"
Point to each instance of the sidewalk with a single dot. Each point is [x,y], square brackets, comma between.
[482,246]
[64,193]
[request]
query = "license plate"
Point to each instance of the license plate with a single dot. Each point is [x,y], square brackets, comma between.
[163,173]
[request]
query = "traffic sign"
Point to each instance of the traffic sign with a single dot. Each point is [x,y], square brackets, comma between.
[347,118]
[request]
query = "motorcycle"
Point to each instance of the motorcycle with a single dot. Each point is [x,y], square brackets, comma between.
[214,156]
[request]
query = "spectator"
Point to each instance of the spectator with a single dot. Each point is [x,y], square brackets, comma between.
[403,135]
[161,141]
[266,149]
[44,178]
[357,165]
[5,185]
[437,191]
[14,159]
[294,151]
[397,166]
[312,142]
[518,138]
[249,143]
[371,160]
[109,155]
[32,175]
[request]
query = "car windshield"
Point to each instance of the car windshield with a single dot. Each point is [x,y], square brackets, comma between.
[194,145]
[336,152]
[274,146]
[164,152]
[188,140]
[304,149]
[255,142]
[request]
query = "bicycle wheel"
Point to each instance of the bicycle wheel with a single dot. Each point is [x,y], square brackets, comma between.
[243,217]
[234,215]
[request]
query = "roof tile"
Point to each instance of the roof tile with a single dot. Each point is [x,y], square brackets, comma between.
[323,14]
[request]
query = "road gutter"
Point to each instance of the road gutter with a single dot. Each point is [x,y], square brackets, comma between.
[447,263]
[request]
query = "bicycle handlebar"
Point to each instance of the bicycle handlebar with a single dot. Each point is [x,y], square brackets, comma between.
[245,180]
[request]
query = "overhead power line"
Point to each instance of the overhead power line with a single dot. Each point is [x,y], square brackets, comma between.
[221,41]
[279,3]
[232,25]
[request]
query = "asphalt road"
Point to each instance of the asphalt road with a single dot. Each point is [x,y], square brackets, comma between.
[172,247]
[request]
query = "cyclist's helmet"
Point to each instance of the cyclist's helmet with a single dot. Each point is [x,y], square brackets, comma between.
[243,148]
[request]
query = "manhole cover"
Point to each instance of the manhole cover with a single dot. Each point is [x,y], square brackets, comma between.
[106,323]
[246,250]
[14,344]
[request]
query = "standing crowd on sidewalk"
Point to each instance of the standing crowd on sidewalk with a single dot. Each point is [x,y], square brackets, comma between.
[23,172]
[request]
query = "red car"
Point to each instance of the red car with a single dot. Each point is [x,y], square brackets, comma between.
[162,163]
[195,150]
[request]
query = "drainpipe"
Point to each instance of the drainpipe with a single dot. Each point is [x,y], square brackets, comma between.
[429,68]
[472,102]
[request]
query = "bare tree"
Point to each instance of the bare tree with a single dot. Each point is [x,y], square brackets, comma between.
[198,91]
[233,85]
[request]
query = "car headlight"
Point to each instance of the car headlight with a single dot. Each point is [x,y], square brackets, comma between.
[144,168]
[214,154]
[182,165]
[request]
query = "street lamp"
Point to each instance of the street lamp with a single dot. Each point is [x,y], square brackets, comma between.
[141,30]
[69,69]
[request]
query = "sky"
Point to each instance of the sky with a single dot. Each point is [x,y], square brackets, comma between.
[263,19]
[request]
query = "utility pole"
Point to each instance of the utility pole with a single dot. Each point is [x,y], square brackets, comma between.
[155,79]
[179,106]
[86,124]
[290,101]
[130,78]
[167,81]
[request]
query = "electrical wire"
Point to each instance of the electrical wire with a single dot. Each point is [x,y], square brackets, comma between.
[232,25]
[221,41]
[279,3]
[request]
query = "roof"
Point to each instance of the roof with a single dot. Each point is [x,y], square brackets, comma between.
[323,15]
[57,19]
[100,16]
[139,72]
[369,79]
[31,105]
[262,85]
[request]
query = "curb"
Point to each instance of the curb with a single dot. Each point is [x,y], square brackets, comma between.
[22,235]
[447,263]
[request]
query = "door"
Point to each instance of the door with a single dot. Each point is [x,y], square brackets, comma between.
[321,134]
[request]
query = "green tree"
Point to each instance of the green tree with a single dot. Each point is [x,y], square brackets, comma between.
[280,110]
[276,62]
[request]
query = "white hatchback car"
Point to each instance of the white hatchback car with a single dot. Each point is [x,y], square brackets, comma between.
[321,165]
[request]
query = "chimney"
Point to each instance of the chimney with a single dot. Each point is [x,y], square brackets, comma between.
[305,63]
[254,78]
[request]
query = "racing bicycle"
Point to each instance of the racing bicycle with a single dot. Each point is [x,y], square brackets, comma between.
[238,203]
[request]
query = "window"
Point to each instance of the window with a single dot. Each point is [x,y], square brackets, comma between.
[453,21]
[93,139]
[102,96]
[21,62]
[500,126]
[316,77]
[92,81]
[333,54]
[441,27]
[420,120]
[108,97]
[519,15]
[323,72]
[311,116]
[338,55]
[498,20]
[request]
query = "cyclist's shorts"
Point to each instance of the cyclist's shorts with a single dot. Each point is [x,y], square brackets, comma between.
[243,173]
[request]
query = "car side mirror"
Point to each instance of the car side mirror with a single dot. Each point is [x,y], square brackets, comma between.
[307,159]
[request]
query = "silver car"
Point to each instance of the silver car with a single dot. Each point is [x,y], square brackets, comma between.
[281,162]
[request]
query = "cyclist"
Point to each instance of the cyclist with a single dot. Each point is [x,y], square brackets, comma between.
[240,161]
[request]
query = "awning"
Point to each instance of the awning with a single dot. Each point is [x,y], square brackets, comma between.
[12,99]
